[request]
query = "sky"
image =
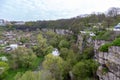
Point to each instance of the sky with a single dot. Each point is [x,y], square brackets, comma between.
[32,10]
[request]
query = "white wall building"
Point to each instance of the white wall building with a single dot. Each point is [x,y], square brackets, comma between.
[13,46]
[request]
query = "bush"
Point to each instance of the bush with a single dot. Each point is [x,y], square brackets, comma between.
[116,42]
[104,48]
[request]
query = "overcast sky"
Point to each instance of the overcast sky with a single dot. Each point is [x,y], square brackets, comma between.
[27,10]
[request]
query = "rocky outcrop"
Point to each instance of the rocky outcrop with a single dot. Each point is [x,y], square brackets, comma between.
[58,31]
[109,68]
[80,42]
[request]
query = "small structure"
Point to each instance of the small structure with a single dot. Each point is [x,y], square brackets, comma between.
[92,34]
[13,46]
[55,52]
[117,27]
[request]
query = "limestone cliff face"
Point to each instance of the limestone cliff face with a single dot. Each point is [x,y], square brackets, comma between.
[80,42]
[58,31]
[109,68]
[83,41]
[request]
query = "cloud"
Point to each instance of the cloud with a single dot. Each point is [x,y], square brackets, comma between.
[51,9]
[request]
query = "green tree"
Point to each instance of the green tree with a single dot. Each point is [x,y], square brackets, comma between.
[30,75]
[104,48]
[70,61]
[88,53]
[84,69]
[22,57]
[24,39]
[3,69]
[64,44]
[55,65]
[42,46]
[64,53]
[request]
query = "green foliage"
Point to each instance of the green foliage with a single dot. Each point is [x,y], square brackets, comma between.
[64,53]
[105,35]
[84,69]
[116,42]
[4,65]
[37,62]
[24,39]
[49,49]
[55,65]
[70,61]
[64,44]
[3,69]
[88,53]
[17,73]
[41,47]
[26,76]
[71,58]
[22,57]
[104,48]
[29,75]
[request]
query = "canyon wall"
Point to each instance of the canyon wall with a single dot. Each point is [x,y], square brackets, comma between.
[109,68]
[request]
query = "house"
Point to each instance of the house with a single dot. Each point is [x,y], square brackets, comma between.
[117,27]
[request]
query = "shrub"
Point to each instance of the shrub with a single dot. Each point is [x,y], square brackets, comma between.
[104,48]
[116,42]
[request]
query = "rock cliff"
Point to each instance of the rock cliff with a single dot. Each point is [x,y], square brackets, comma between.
[109,68]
